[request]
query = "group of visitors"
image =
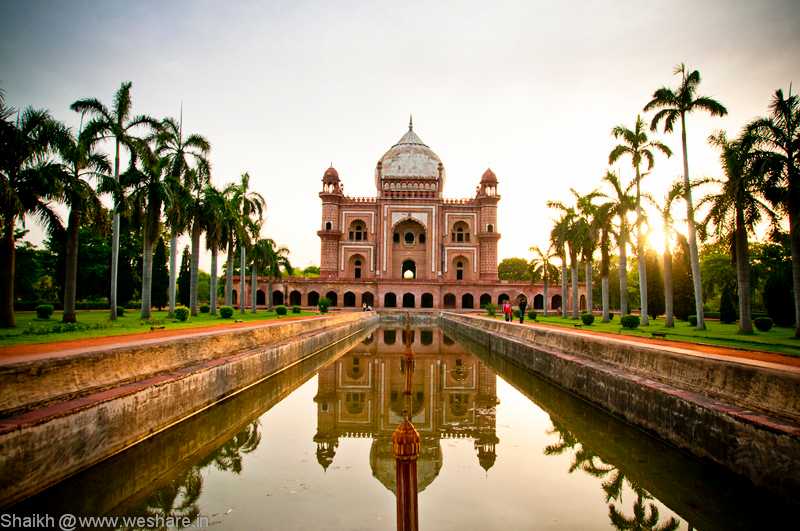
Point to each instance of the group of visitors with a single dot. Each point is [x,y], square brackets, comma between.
[508,309]
[366,307]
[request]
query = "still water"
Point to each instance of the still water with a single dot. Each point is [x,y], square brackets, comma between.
[311,448]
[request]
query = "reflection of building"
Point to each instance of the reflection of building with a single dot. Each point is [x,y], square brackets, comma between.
[361,395]
[408,246]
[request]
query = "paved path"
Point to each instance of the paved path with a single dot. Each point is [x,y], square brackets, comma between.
[750,357]
[18,353]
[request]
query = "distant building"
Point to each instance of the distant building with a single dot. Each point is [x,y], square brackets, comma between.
[407,247]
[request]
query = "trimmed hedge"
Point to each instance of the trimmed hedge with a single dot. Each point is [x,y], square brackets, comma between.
[205,308]
[323,304]
[120,311]
[295,309]
[630,322]
[281,310]
[764,324]
[226,312]
[44,311]
[587,318]
[532,315]
[181,313]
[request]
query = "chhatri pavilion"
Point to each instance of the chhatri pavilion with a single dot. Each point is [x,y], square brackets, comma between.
[407,247]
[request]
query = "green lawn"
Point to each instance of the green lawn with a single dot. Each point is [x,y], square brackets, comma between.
[780,340]
[101,326]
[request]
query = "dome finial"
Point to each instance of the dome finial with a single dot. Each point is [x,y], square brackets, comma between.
[410,122]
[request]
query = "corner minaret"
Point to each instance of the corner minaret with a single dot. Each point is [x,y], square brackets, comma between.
[330,233]
[488,235]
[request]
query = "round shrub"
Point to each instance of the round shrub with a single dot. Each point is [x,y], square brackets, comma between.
[764,324]
[532,315]
[490,308]
[295,309]
[120,311]
[323,304]
[44,311]
[692,320]
[181,313]
[226,312]
[205,308]
[516,314]
[281,310]
[629,321]
[588,319]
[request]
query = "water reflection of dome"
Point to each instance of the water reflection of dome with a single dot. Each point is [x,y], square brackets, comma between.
[382,462]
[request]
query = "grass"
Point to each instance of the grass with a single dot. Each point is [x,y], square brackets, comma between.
[780,340]
[99,325]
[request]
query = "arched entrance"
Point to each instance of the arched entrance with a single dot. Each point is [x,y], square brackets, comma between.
[260,298]
[555,302]
[538,302]
[409,270]
[467,301]
[234,297]
[390,300]
[408,300]
[582,303]
[277,297]
[427,300]
[331,296]
[502,298]
[313,298]
[368,299]
[485,299]
[449,301]
[349,299]
[295,299]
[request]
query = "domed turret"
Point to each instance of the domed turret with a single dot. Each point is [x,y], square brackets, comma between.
[330,181]
[489,177]
[410,169]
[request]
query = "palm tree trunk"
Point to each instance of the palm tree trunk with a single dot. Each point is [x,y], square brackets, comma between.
[196,232]
[668,291]
[564,309]
[546,299]
[147,273]
[71,267]
[575,296]
[794,239]
[7,317]
[604,296]
[623,271]
[642,259]
[588,279]
[743,274]
[112,296]
[253,286]
[242,275]
[694,255]
[229,274]
[213,282]
[173,272]
[269,291]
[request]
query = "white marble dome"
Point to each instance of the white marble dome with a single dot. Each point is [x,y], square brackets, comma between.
[409,158]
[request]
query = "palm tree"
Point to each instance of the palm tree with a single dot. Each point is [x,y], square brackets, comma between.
[149,191]
[636,145]
[198,180]
[80,162]
[29,181]
[183,153]
[674,104]
[623,203]
[571,230]
[603,225]
[231,225]
[737,208]
[559,236]
[215,219]
[777,139]
[665,209]
[588,237]
[114,123]
[543,268]
[250,207]
[273,261]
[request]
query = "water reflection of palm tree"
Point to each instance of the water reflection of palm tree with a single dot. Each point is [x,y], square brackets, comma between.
[645,517]
[176,499]
[229,455]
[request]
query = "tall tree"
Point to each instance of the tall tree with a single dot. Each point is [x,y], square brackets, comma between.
[183,153]
[559,236]
[665,209]
[674,104]
[603,225]
[273,261]
[115,123]
[777,139]
[185,277]
[197,212]
[737,209]
[80,162]
[655,288]
[544,269]
[636,145]
[588,236]
[160,275]
[215,219]
[250,206]
[515,268]
[28,182]
[570,232]
[623,203]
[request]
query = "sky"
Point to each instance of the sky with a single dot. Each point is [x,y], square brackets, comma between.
[283,89]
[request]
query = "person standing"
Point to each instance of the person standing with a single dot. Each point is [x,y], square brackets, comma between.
[523,302]
[507,310]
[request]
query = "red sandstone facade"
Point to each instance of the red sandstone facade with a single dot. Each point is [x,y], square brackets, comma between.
[408,246]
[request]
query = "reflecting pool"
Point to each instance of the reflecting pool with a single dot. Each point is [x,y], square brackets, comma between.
[311,448]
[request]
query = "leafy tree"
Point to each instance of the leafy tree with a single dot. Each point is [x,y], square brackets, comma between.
[727,306]
[623,203]
[311,271]
[639,148]
[673,104]
[184,277]
[683,297]
[665,209]
[32,264]
[250,208]
[655,285]
[160,287]
[716,266]
[565,238]
[542,267]
[517,269]
[130,261]
[118,124]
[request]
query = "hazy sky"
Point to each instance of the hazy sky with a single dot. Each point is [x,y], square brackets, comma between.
[281,89]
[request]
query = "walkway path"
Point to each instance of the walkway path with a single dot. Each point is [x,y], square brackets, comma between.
[746,356]
[18,353]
